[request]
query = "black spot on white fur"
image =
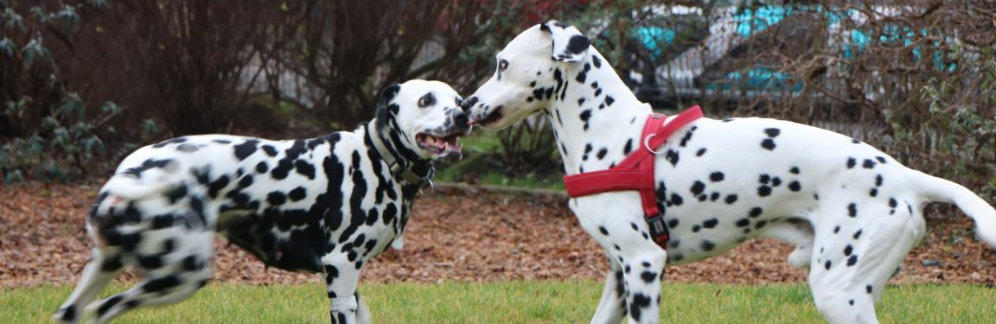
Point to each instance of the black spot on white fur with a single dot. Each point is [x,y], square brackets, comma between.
[283,201]
[578,44]
[707,245]
[768,144]
[725,204]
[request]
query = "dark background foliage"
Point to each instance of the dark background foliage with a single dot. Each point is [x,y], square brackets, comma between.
[84,82]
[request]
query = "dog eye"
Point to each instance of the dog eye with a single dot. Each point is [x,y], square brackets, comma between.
[426,100]
[502,65]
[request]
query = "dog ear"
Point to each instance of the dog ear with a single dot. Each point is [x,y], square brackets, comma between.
[569,45]
[385,109]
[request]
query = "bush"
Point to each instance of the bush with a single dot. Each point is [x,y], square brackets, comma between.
[187,63]
[47,131]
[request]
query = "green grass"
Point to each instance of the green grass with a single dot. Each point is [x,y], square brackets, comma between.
[517,302]
[530,180]
[480,142]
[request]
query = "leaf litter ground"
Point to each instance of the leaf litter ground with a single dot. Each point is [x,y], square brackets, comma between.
[454,235]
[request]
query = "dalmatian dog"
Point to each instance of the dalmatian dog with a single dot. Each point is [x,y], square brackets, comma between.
[852,211]
[322,205]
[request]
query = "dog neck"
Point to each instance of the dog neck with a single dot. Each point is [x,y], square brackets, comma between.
[403,163]
[597,120]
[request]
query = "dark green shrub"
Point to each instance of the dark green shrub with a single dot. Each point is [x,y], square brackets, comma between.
[46,131]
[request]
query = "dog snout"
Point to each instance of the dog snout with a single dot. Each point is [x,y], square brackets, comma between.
[457,121]
[471,108]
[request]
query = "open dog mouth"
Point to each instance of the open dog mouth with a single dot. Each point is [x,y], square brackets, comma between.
[438,145]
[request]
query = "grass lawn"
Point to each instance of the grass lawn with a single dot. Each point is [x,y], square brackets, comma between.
[517,302]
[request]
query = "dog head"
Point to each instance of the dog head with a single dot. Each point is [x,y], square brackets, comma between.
[527,75]
[421,119]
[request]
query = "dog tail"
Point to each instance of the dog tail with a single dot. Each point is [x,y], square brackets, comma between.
[149,182]
[132,189]
[936,189]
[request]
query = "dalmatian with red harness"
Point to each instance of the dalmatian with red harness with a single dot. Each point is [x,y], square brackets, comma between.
[653,190]
[322,205]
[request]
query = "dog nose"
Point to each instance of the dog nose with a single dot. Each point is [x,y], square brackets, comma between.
[468,103]
[460,117]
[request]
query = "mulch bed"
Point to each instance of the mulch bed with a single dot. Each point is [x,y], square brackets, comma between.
[453,235]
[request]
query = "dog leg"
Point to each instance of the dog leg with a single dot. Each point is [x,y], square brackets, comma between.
[102,267]
[341,277]
[157,291]
[175,261]
[798,232]
[362,312]
[642,274]
[624,234]
[855,253]
[619,227]
[612,306]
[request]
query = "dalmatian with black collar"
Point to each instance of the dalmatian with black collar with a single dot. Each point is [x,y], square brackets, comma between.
[852,211]
[323,205]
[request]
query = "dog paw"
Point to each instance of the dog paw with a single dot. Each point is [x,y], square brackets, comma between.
[398,243]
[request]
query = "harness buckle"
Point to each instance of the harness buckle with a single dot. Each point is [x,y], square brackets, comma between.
[658,230]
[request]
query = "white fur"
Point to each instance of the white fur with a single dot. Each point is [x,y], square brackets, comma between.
[324,205]
[852,211]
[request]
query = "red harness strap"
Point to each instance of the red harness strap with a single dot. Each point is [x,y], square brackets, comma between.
[636,172]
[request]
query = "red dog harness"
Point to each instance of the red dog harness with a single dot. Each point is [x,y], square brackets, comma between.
[636,172]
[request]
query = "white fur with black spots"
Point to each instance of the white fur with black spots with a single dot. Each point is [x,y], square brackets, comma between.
[852,211]
[322,205]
